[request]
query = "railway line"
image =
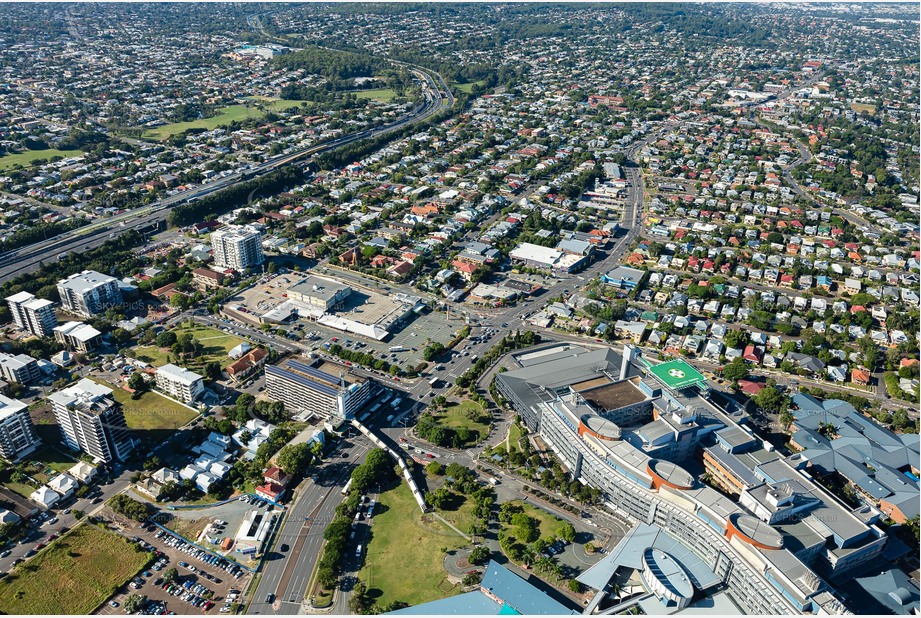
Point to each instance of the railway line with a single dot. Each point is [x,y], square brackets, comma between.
[436,97]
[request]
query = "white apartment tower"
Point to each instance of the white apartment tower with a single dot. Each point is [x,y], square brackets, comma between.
[237,247]
[179,383]
[31,314]
[92,421]
[89,293]
[17,435]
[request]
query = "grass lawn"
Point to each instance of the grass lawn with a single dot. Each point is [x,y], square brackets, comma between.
[278,105]
[549,524]
[384,95]
[216,346]
[516,433]
[74,575]
[51,461]
[225,116]
[455,416]
[152,410]
[20,488]
[25,158]
[404,561]
[151,354]
[468,87]
[461,517]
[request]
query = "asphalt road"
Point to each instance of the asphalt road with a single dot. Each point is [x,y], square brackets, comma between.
[26,259]
[285,574]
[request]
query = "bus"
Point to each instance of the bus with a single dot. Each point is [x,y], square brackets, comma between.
[348,486]
[363,417]
[387,397]
[396,402]
[434,381]
[397,348]
[375,408]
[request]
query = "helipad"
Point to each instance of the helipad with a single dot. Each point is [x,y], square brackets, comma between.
[677,374]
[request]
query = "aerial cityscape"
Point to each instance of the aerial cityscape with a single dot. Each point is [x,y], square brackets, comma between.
[460,308]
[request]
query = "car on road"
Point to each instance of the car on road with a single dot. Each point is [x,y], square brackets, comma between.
[284,547]
[270,598]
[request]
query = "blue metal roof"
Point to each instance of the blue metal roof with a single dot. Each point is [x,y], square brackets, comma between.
[471,604]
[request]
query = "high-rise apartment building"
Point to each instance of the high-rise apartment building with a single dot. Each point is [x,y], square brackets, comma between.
[179,383]
[89,293]
[17,435]
[31,314]
[92,421]
[237,247]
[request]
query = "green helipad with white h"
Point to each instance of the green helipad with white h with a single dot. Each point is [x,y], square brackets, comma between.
[677,374]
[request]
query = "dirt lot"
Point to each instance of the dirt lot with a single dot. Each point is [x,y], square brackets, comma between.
[220,586]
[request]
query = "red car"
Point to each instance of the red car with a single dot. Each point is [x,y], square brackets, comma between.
[430,456]
[39,546]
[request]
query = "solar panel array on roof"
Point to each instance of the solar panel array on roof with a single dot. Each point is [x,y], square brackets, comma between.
[302,381]
[316,373]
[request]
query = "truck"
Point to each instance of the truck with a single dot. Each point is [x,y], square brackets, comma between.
[434,381]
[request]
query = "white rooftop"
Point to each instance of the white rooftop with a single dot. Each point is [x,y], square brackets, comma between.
[178,374]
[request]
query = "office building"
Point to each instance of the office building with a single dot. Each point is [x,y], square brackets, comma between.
[308,388]
[92,421]
[181,384]
[89,293]
[31,314]
[17,435]
[20,368]
[236,247]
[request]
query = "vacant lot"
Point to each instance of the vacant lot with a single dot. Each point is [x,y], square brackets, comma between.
[225,116]
[74,575]
[863,107]
[216,346]
[26,158]
[404,544]
[153,411]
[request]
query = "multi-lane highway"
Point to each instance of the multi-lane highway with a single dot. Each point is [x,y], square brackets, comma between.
[436,97]
[296,548]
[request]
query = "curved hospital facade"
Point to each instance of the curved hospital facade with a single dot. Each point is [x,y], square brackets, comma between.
[576,399]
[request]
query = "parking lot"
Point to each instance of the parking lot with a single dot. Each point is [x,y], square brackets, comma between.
[206,584]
